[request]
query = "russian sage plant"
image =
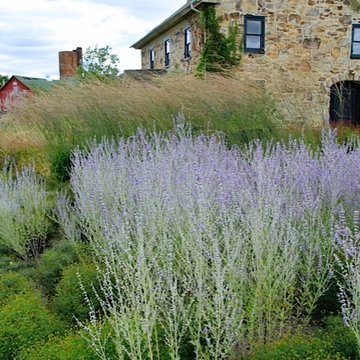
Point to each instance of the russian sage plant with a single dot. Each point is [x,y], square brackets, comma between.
[24,222]
[348,261]
[205,249]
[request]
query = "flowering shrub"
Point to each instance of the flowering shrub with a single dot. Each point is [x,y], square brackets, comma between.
[348,260]
[24,224]
[204,245]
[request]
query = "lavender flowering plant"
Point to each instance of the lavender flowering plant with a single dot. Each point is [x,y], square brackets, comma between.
[203,246]
[348,260]
[24,222]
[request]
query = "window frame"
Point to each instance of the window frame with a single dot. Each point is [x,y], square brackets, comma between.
[167,53]
[261,19]
[352,55]
[152,58]
[187,44]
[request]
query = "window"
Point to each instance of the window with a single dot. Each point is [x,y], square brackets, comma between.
[167,52]
[254,33]
[187,38]
[16,90]
[345,103]
[152,59]
[355,42]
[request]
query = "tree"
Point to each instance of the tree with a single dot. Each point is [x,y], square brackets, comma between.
[3,80]
[99,62]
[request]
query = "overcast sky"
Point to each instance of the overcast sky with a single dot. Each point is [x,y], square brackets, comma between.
[32,32]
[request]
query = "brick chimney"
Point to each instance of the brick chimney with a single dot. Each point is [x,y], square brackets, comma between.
[69,62]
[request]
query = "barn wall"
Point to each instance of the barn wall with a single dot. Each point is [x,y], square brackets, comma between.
[11,92]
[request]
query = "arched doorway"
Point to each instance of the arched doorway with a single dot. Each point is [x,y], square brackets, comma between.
[345,103]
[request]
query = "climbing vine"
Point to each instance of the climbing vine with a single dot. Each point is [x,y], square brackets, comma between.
[219,52]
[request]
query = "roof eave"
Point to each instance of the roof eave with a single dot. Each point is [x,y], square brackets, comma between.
[171,21]
[356,4]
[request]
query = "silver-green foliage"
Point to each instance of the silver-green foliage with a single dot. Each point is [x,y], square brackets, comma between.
[24,222]
[201,246]
[348,260]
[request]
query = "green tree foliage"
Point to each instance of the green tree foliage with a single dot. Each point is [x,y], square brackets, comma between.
[99,62]
[219,52]
[3,80]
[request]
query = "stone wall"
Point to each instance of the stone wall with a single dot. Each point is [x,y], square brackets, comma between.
[176,36]
[307,48]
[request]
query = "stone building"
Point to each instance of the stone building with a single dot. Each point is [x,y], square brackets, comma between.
[306,51]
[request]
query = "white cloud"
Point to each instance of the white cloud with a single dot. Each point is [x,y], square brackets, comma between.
[33,32]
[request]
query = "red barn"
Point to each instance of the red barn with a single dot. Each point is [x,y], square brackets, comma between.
[17,87]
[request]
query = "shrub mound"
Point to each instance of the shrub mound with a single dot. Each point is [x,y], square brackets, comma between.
[51,264]
[23,321]
[334,342]
[12,283]
[70,299]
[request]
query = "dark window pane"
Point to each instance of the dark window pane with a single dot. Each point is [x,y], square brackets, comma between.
[253,42]
[253,27]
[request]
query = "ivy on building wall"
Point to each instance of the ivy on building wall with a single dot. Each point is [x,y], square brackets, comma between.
[219,52]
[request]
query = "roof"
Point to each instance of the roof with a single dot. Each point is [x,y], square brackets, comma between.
[35,83]
[32,83]
[356,4]
[172,20]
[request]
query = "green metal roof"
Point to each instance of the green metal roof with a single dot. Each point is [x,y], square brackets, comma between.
[171,21]
[35,84]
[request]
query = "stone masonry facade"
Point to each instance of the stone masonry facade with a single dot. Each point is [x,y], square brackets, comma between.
[176,37]
[306,51]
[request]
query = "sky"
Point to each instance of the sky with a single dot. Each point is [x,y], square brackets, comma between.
[32,32]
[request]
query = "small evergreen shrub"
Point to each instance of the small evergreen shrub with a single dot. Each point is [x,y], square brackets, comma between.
[51,264]
[6,263]
[72,346]
[12,283]
[332,342]
[24,321]
[70,299]
[343,339]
